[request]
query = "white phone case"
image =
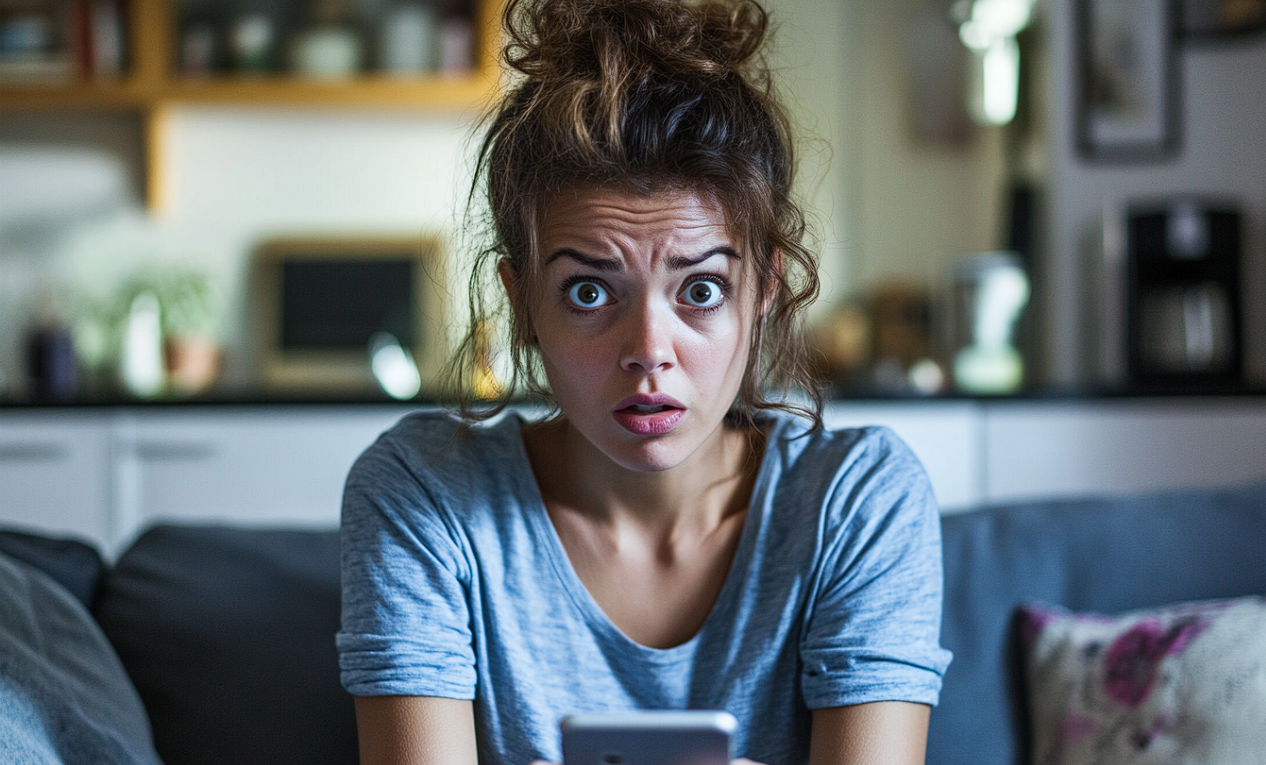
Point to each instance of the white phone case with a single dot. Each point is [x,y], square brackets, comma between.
[678,737]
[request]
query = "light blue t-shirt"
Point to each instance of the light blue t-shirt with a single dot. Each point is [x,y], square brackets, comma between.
[455,584]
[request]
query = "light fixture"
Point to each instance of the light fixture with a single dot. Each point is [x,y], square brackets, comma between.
[988,29]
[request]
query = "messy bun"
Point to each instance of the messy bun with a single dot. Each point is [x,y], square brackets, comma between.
[647,96]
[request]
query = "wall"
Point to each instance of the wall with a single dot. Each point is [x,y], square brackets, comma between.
[882,205]
[1223,94]
[236,177]
[916,205]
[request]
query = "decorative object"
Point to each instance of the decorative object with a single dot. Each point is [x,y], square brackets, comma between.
[170,336]
[319,302]
[1128,100]
[331,48]
[327,53]
[1219,19]
[141,357]
[457,45]
[991,289]
[1178,685]
[408,39]
[251,40]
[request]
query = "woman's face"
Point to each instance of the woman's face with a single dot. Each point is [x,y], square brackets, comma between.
[643,321]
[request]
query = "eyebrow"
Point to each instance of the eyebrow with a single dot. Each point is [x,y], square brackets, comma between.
[611,265]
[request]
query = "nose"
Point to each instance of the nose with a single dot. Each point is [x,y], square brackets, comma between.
[647,340]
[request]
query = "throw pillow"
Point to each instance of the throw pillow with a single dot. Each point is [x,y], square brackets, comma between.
[65,698]
[75,565]
[1173,685]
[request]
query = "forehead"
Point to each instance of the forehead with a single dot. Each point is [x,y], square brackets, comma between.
[604,219]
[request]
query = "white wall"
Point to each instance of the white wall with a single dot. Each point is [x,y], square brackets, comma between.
[1223,95]
[883,205]
[235,177]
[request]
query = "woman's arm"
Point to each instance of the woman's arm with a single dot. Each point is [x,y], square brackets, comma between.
[881,733]
[415,730]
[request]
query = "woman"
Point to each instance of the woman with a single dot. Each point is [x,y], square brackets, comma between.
[676,535]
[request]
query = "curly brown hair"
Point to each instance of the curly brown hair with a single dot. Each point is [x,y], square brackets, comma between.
[645,96]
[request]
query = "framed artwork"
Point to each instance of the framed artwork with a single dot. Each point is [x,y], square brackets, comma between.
[1222,19]
[1127,95]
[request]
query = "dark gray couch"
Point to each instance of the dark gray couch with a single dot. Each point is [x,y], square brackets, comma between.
[228,633]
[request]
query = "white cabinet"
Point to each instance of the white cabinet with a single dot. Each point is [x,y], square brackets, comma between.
[105,474]
[55,472]
[1035,450]
[246,466]
[945,435]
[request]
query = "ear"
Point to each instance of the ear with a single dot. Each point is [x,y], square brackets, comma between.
[506,272]
[771,289]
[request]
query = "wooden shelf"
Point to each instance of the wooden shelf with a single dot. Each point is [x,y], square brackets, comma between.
[152,87]
[368,90]
[120,95]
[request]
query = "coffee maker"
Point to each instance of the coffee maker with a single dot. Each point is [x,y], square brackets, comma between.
[1183,294]
[1166,296]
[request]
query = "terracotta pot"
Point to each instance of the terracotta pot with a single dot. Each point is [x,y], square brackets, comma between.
[193,364]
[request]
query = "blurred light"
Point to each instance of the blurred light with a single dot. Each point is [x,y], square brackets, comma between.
[393,367]
[988,28]
[1000,67]
[926,376]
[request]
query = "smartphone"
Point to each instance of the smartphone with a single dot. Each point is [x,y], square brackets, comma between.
[677,737]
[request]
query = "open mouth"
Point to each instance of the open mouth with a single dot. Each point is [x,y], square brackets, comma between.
[649,414]
[648,408]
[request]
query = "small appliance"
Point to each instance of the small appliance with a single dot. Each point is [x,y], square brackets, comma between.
[1168,295]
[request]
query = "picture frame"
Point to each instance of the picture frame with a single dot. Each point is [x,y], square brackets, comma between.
[1127,101]
[318,299]
[1221,20]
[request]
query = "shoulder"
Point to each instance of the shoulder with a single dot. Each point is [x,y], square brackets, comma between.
[436,444]
[863,454]
[851,480]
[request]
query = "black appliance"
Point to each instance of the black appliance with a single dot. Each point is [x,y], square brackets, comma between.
[1184,325]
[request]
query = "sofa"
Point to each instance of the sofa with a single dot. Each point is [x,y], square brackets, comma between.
[226,634]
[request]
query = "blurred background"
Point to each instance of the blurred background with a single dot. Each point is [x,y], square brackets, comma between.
[1010,196]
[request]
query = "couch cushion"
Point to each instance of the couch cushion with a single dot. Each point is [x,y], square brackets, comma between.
[75,565]
[1105,555]
[64,697]
[228,634]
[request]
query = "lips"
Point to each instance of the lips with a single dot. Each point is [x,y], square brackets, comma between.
[649,414]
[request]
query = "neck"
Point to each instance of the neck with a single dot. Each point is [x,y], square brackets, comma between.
[711,485]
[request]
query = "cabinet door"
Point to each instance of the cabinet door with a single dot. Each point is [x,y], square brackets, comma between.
[1036,450]
[55,473]
[247,466]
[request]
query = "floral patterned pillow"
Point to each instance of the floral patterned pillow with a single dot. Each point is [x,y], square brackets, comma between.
[1174,685]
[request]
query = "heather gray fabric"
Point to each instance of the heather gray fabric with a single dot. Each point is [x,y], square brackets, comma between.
[1104,555]
[75,565]
[455,584]
[64,697]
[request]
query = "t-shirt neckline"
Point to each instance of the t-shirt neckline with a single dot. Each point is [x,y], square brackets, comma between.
[549,543]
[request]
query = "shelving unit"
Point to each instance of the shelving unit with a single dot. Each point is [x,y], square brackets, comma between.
[151,85]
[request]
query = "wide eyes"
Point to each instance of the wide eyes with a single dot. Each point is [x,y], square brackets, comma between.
[703,293]
[698,293]
[588,295]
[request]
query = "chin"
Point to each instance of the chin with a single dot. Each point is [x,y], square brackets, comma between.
[652,455]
